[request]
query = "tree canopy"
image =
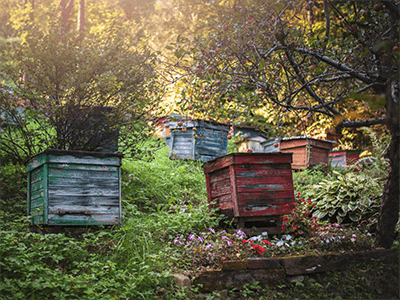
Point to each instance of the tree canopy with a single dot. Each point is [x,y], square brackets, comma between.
[338,59]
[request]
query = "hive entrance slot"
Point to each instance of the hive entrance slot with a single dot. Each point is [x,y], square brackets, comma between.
[257,225]
[264,224]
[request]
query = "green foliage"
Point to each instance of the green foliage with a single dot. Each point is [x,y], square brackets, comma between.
[155,184]
[349,197]
[13,190]
[299,222]
[303,180]
[352,195]
[105,85]
[37,266]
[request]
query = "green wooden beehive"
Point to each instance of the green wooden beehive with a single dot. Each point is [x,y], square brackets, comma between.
[74,188]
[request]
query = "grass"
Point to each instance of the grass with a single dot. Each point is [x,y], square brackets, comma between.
[162,199]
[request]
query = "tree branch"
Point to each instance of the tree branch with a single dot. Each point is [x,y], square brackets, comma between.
[362,123]
[338,65]
[327,20]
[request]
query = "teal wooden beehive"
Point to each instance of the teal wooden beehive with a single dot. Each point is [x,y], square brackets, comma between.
[74,188]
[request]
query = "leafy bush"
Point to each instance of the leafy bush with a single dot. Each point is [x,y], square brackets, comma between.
[55,266]
[349,197]
[13,190]
[299,222]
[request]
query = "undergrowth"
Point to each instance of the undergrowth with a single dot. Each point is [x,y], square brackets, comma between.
[162,199]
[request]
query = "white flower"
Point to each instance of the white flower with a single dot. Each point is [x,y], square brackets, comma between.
[352,239]
[279,243]
[292,243]
[287,237]
[327,241]
[264,233]
[257,238]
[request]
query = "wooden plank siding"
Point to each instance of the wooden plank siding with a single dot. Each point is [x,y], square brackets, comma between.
[343,158]
[211,142]
[75,187]
[307,152]
[251,184]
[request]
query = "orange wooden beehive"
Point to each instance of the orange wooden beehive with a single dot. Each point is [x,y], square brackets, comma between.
[307,152]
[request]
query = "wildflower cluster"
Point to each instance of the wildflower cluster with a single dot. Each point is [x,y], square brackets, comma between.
[211,247]
[260,244]
[334,237]
[299,222]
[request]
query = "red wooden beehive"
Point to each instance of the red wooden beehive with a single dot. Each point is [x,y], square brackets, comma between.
[343,158]
[252,188]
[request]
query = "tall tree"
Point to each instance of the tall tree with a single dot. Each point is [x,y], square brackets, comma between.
[267,54]
[81,16]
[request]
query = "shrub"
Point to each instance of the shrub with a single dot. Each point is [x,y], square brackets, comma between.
[350,197]
[299,222]
[13,190]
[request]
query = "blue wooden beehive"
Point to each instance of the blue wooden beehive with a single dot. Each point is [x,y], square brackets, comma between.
[198,140]
[246,131]
[67,187]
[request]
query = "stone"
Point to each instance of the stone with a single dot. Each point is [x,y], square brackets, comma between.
[263,263]
[234,265]
[182,280]
[295,278]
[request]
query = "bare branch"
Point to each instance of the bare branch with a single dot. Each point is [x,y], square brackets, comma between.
[363,123]
[327,20]
[338,65]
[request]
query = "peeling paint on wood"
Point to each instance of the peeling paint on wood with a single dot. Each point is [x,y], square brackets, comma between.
[212,140]
[74,188]
[251,184]
[343,158]
[307,152]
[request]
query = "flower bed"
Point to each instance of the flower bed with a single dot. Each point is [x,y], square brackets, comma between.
[303,236]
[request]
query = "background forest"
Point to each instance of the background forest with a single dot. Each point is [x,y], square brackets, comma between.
[293,68]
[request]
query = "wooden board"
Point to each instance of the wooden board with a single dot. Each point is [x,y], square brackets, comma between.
[307,152]
[211,142]
[71,189]
[251,184]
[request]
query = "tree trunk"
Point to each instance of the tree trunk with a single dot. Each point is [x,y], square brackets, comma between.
[66,8]
[389,210]
[81,16]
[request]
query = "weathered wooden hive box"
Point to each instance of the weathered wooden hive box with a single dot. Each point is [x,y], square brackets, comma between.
[74,188]
[307,152]
[252,143]
[198,140]
[246,131]
[343,158]
[251,188]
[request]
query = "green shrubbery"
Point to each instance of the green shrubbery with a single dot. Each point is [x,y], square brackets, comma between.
[347,195]
[162,200]
[13,190]
[350,197]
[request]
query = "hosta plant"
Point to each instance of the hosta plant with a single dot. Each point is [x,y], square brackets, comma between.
[352,197]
